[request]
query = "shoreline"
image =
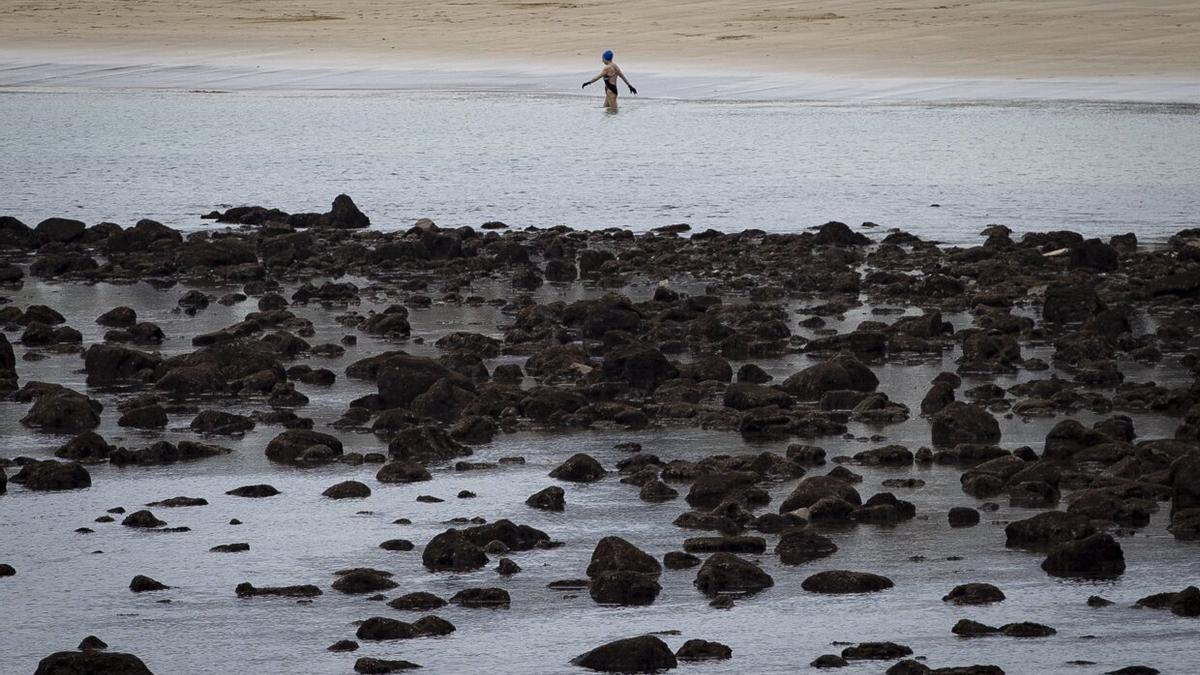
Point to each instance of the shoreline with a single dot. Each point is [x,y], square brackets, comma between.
[60,70]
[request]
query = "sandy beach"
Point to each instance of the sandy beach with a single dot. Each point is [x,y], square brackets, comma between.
[991,39]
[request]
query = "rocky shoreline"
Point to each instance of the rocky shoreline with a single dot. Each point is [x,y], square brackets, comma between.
[1067,313]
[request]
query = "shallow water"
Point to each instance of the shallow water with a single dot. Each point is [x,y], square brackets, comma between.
[63,590]
[462,159]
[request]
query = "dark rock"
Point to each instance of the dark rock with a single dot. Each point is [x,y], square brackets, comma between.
[372,666]
[91,662]
[580,468]
[254,491]
[703,650]
[419,601]
[452,551]
[481,597]
[799,546]
[248,590]
[52,475]
[645,654]
[142,584]
[840,372]
[841,581]
[548,499]
[727,573]
[350,489]
[974,594]
[1095,556]
[875,651]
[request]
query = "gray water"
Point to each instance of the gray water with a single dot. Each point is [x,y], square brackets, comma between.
[65,589]
[462,159]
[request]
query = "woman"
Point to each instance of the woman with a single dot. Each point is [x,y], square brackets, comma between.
[609,73]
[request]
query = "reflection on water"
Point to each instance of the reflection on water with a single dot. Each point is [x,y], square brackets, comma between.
[463,159]
[69,585]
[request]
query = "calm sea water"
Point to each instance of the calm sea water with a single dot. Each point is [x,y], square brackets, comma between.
[69,585]
[462,159]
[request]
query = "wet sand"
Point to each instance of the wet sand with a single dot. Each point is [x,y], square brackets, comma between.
[1077,49]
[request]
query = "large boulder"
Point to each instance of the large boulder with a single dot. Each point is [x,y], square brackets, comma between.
[1047,530]
[815,488]
[613,554]
[960,422]
[1097,556]
[344,214]
[727,573]
[799,545]
[91,662]
[53,475]
[645,654]
[579,468]
[59,410]
[402,378]
[110,364]
[842,581]
[295,446]
[840,372]
[59,230]
[86,447]
[453,552]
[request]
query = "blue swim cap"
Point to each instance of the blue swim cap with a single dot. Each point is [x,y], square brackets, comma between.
[607,55]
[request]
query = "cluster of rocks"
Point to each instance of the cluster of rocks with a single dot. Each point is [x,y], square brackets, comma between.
[667,361]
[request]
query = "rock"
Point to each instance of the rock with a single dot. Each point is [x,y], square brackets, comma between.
[58,410]
[703,650]
[372,666]
[812,489]
[240,547]
[974,594]
[481,597]
[798,546]
[727,573]
[1094,254]
[940,395]
[1025,629]
[350,489]
[402,472]
[295,446]
[728,544]
[221,423]
[359,581]
[645,654]
[86,447]
[112,364]
[142,584]
[91,662]
[90,643]
[840,372]
[548,499]
[254,491]
[397,545]
[142,518]
[678,560]
[964,423]
[452,551]
[963,516]
[657,491]
[969,628]
[752,374]
[52,475]
[875,651]
[59,230]
[7,570]
[419,601]
[145,417]
[580,468]
[343,646]
[1097,601]
[382,628]
[829,661]
[745,396]
[842,581]
[1069,303]
[1094,556]
[179,502]
[1047,530]
[248,590]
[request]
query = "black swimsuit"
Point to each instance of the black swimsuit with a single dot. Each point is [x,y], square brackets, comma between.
[611,86]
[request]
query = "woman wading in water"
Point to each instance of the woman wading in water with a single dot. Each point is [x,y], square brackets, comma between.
[609,73]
